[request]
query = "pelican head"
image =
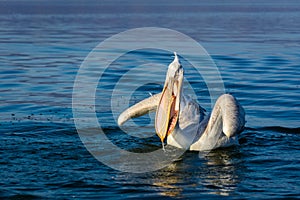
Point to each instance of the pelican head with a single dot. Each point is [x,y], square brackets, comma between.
[169,104]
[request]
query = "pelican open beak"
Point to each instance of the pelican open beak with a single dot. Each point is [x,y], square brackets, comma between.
[167,112]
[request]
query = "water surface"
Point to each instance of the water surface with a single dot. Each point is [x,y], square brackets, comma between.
[255,46]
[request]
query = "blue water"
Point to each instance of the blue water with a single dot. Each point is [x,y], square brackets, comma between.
[254,44]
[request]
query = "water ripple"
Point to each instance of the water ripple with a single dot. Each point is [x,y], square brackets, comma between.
[256,49]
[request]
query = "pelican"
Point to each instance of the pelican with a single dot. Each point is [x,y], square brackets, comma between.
[183,122]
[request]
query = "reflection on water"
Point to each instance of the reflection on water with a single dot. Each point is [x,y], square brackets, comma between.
[218,172]
[223,175]
[169,182]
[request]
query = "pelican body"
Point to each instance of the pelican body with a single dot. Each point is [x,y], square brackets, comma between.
[182,121]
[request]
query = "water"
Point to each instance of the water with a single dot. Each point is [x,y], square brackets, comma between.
[255,46]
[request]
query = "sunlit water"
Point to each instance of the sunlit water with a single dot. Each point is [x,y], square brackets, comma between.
[255,46]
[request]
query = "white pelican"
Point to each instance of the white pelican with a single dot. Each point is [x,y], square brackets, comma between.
[183,122]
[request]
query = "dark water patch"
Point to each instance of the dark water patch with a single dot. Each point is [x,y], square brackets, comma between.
[277,129]
[274,61]
[234,61]
[24,196]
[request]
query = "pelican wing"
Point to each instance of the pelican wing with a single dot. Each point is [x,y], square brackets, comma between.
[139,109]
[233,115]
[225,122]
[230,112]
